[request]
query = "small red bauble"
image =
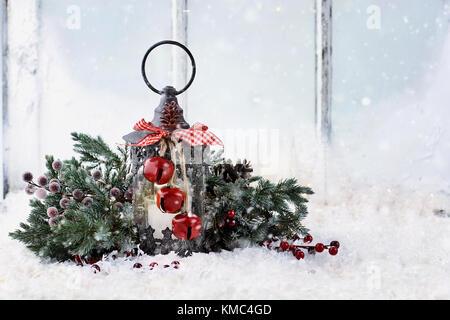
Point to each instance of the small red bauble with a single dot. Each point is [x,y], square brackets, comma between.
[137,265]
[153,264]
[292,247]
[335,244]
[175,262]
[231,214]
[299,254]
[128,253]
[284,245]
[186,227]
[308,238]
[232,223]
[169,200]
[333,251]
[158,170]
[319,247]
[96,267]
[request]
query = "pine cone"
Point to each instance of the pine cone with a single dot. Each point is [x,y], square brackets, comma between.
[171,118]
[231,173]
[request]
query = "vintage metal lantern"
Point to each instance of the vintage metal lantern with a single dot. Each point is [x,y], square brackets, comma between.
[170,164]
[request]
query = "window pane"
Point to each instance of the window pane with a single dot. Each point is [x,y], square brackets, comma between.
[255,72]
[91,57]
[390,109]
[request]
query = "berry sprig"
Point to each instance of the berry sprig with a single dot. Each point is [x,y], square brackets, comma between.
[296,249]
[43,186]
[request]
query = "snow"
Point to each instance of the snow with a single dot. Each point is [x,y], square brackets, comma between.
[392,246]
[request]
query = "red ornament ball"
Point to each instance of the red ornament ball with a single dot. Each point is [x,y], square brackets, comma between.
[96,267]
[175,262]
[292,247]
[232,223]
[333,251]
[137,265]
[158,170]
[169,200]
[284,245]
[335,244]
[299,254]
[186,226]
[319,247]
[308,238]
[153,264]
[231,214]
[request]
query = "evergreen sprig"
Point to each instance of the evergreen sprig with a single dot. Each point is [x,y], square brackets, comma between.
[263,209]
[90,229]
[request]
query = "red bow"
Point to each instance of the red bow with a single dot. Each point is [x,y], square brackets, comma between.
[196,135]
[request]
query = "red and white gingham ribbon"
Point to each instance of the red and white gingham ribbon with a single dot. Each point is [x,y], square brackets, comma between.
[197,135]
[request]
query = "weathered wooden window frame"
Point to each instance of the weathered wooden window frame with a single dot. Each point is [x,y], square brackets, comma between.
[179,21]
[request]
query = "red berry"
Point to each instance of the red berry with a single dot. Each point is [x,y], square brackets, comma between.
[128,195]
[118,206]
[128,253]
[335,244]
[153,264]
[169,200]
[42,181]
[115,192]
[27,176]
[158,170]
[299,254]
[319,247]
[333,251]
[137,265]
[166,266]
[96,267]
[30,189]
[232,223]
[292,247]
[52,212]
[40,193]
[77,194]
[284,245]
[86,201]
[175,262]
[308,238]
[57,165]
[96,174]
[175,267]
[54,187]
[231,214]
[63,202]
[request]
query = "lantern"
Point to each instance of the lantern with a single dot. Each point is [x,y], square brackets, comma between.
[169,164]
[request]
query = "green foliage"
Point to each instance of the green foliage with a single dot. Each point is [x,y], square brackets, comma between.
[87,230]
[262,208]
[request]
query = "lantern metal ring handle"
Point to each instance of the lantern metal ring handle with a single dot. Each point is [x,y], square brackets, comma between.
[176,44]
